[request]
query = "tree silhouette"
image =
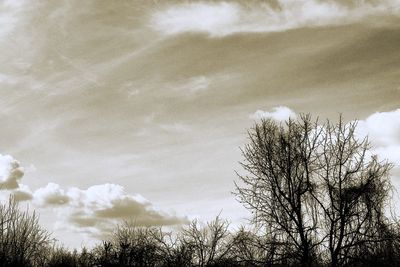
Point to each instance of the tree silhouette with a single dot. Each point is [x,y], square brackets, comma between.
[210,243]
[315,189]
[351,189]
[318,196]
[23,242]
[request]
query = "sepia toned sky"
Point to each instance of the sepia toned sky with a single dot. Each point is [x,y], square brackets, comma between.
[125,109]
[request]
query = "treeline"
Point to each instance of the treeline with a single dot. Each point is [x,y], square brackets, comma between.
[317,195]
[24,243]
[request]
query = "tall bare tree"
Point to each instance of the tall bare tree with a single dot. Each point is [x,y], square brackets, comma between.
[352,192]
[278,159]
[315,188]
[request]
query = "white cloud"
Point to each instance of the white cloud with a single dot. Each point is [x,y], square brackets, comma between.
[9,15]
[225,18]
[51,194]
[10,172]
[23,193]
[98,208]
[197,84]
[196,17]
[280,113]
[383,130]
[92,211]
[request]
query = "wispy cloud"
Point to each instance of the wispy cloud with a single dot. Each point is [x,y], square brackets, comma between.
[194,84]
[175,128]
[204,17]
[9,11]
[6,79]
[225,18]
[280,113]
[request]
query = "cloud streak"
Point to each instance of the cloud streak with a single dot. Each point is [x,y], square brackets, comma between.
[225,18]
[280,113]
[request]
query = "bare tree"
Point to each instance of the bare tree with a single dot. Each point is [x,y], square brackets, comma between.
[172,249]
[23,242]
[316,189]
[135,246]
[209,243]
[352,190]
[278,159]
[251,247]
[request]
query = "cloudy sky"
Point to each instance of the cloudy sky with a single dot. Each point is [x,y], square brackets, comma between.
[123,109]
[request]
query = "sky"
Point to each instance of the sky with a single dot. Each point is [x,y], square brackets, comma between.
[113,110]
